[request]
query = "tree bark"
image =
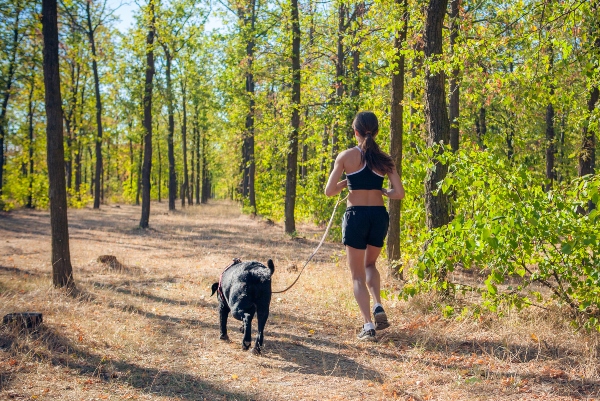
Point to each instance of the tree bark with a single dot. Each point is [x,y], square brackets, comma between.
[159,167]
[91,38]
[148,86]
[139,172]
[197,191]
[249,168]
[396,132]
[205,175]
[340,72]
[454,86]
[62,271]
[170,148]
[438,125]
[30,118]
[481,128]
[7,90]
[186,182]
[550,134]
[292,159]
[193,162]
[587,154]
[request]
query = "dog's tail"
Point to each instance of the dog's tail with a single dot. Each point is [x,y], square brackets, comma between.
[215,286]
[271,266]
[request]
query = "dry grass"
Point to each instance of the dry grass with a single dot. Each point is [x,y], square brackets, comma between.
[149,329]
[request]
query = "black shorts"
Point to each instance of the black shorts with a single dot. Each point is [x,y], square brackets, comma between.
[365,225]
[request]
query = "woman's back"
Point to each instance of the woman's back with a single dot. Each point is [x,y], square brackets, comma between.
[354,165]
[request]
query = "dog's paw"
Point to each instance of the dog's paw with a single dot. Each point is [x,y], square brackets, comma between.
[246,345]
[224,337]
[256,351]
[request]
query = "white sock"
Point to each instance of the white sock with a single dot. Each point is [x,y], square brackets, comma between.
[376,305]
[369,326]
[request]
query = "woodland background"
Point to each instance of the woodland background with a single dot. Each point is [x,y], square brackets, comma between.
[489,108]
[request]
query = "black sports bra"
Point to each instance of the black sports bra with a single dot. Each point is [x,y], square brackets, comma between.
[365,178]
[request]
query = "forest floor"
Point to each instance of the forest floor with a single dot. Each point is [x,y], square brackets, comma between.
[149,331]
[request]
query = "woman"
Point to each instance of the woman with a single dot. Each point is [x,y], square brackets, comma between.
[366,220]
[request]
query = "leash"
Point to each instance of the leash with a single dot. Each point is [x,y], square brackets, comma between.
[340,200]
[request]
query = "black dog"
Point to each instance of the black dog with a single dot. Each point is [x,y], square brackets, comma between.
[245,289]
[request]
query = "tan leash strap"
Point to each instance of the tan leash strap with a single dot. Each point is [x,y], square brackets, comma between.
[340,200]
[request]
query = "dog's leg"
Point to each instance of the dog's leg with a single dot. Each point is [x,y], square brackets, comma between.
[223,313]
[262,317]
[247,330]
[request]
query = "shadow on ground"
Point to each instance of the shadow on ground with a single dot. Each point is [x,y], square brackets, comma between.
[53,347]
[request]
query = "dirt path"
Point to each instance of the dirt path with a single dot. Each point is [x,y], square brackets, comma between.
[150,330]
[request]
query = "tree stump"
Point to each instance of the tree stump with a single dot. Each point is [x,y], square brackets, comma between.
[23,320]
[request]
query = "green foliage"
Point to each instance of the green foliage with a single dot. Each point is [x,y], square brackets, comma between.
[532,247]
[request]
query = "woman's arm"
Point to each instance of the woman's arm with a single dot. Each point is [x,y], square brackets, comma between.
[334,187]
[397,191]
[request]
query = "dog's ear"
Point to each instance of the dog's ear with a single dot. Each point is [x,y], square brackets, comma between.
[214,288]
[271,266]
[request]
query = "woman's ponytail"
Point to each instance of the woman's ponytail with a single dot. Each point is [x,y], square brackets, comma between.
[367,126]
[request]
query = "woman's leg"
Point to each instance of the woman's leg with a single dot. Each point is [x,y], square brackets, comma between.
[372,274]
[356,261]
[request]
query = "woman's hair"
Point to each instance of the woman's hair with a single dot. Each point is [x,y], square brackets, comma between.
[367,126]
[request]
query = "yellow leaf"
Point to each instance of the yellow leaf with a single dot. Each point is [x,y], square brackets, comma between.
[535,338]
[234,377]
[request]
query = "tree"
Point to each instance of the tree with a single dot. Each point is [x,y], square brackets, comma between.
[454,108]
[436,114]
[396,132]
[587,153]
[292,159]
[147,167]
[175,28]
[62,271]
[7,78]
[94,18]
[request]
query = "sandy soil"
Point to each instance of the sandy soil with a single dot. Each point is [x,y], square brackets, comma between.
[149,331]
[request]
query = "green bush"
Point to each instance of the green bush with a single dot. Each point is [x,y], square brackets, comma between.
[518,236]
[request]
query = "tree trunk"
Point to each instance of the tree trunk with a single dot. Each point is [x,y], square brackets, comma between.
[69,116]
[139,172]
[30,120]
[205,176]
[292,159]
[340,72]
[79,154]
[481,128]
[147,167]
[159,167]
[550,147]
[78,168]
[170,149]
[186,183]
[250,90]
[90,34]
[197,162]
[454,87]
[550,134]
[438,125]
[587,154]
[62,271]
[7,90]
[396,132]
[193,163]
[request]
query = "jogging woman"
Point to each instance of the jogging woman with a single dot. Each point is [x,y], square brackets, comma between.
[366,220]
